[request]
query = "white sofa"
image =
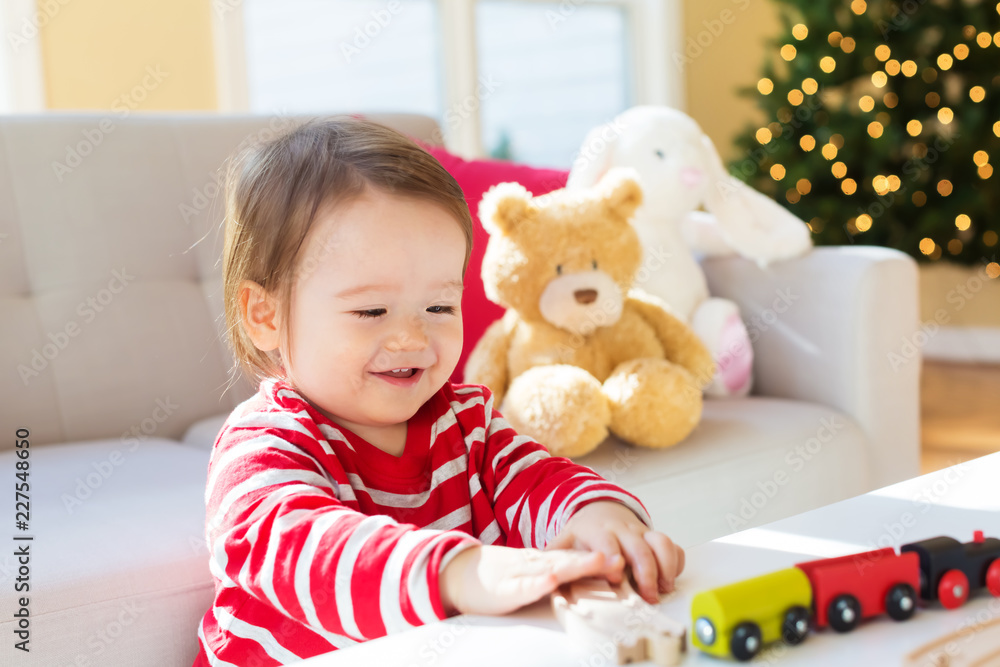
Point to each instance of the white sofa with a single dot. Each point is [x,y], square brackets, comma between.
[113,358]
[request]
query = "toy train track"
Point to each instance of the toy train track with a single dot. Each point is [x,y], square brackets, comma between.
[739,619]
[973,646]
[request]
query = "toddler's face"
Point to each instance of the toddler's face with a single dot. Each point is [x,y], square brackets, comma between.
[378,289]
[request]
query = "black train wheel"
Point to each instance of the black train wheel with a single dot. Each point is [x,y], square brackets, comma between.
[795,627]
[844,613]
[901,602]
[745,642]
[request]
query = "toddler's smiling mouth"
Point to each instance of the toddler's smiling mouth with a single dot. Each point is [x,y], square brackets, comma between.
[401,372]
[402,377]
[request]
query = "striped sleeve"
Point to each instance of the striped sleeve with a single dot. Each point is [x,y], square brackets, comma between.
[533,493]
[277,530]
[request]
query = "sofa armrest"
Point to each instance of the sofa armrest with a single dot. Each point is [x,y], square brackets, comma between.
[838,327]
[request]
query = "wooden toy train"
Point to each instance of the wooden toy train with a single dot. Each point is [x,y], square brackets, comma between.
[738,619]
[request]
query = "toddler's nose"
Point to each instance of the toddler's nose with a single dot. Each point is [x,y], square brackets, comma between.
[411,336]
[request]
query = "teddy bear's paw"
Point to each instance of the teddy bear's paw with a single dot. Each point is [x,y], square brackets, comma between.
[654,403]
[562,407]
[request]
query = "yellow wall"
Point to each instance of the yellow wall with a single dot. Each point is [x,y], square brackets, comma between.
[134,54]
[956,295]
[730,35]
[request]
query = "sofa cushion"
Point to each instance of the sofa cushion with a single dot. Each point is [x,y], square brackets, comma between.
[748,462]
[118,564]
[203,432]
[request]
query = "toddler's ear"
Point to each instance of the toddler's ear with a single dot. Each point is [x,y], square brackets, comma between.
[259,313]
[504,207]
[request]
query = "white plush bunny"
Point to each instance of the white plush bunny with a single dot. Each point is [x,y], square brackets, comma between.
[680,171]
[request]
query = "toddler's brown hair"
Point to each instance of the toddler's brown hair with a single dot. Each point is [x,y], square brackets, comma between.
[274,190]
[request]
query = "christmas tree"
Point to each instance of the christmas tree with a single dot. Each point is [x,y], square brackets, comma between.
[883,125]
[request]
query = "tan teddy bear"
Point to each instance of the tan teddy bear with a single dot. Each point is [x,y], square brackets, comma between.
[577,353]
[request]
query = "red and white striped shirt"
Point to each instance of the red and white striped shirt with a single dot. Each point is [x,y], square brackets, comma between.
[320,540]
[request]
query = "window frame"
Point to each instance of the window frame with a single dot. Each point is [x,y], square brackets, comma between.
[655,26]
[22,79]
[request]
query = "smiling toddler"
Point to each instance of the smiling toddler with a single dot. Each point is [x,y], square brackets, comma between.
[359,492]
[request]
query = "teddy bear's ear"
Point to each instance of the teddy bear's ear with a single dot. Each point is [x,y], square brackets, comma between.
[504,207]
[621,191]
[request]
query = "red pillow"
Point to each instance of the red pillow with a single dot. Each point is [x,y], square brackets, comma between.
[476,177]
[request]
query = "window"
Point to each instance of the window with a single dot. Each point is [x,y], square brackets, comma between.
[552,75]
[517,79]
[306,56]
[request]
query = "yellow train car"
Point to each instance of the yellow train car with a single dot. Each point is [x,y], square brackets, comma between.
[740,618]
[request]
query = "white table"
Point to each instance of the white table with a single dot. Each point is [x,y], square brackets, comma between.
[955,501]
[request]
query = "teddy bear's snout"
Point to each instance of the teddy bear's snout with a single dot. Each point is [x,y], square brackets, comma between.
[585,296]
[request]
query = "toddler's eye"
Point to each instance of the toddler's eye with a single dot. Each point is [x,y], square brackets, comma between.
[443,310]
[374,312]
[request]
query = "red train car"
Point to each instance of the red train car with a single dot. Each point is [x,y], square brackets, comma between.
[850,588]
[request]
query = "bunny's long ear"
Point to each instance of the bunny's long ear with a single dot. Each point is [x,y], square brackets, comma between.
[755,225]
[594,157]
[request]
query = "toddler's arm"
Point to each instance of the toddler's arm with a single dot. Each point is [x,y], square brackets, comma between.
[276,529]
[535,496]
[533,493]
[497,580]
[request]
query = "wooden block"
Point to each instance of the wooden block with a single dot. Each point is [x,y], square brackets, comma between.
[593,610]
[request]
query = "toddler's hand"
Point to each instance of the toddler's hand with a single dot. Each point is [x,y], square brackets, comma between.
[615,530]
[494,580]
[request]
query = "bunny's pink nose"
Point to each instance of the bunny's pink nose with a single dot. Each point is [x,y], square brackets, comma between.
[691,177]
